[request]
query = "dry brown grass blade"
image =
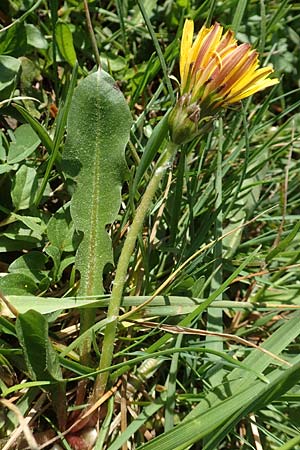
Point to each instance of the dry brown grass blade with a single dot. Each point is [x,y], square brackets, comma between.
[175,329]
[265,272]
[12,309]
[87,413]
[280,306]
[23,426]
[255,432]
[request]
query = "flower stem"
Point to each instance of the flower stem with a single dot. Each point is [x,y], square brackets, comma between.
[117,292]
[91,33]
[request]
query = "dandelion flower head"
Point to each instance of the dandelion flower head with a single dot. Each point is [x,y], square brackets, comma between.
[216,71]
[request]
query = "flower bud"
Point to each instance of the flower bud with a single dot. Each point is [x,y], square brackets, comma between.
[185,121]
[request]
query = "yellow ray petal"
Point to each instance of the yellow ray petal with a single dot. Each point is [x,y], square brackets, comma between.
[198,42]
[216,62]
[231,64]
[208,47]
[186,44]
[242,75]
[259,86]
[250,79]
[226,41]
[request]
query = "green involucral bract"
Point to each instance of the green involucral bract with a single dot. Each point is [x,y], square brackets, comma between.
[98,129]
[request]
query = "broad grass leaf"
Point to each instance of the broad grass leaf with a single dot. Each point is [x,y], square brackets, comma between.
[276,343]
[153,145]
[255,395]
[160,306]
[24,303]
[98,130]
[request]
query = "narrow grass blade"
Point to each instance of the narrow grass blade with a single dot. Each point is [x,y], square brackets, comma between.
[255,396]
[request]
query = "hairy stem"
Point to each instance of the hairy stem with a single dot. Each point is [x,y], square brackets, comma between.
[91,33]
[115,301]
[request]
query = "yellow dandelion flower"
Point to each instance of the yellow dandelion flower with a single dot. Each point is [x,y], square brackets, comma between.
[215,72]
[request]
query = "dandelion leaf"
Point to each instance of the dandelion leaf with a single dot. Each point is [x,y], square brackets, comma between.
[98,128]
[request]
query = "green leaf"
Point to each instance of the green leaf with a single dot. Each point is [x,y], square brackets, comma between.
[238,15]
[35,37]
[55,255]
[31,264]
[13,41]
[98,130]
[8,243]
[37,127]
[17,284]
[110,61]
[2,147]
[4,168]
[34,223]
[9,69]
[64,40]
[160,306]
[19,237]
[25,144]
[60,229]
[41,360]
[23,303]
[64,264]
[24,187]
